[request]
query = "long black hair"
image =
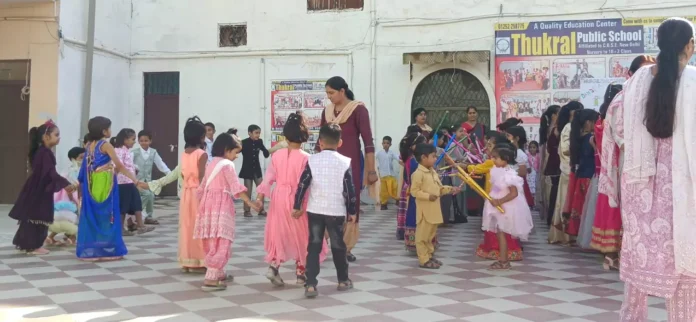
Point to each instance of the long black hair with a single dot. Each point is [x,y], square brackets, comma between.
[609,95]
[521,134]
[36,137]
[564,114]
[673,35]
[638,62]
[508,123]
[581,117]
[546,122]
[120,138]
[338,83]
[407,142]
[194,133]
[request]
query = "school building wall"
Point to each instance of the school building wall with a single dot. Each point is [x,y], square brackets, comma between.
[28,31]
[231,86]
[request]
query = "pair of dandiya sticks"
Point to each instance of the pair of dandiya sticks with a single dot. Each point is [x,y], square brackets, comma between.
[466,178]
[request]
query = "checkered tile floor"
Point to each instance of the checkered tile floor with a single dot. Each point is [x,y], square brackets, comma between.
[551,284]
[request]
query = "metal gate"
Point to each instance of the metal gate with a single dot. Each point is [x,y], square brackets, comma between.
[451,90]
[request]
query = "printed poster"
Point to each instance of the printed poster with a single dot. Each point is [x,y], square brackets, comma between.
[592,91]
[540,63]
[292,96]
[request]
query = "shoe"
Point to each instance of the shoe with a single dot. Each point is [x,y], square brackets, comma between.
[273,276]
[247,214]
[263,213]
[351,258]
[384,207]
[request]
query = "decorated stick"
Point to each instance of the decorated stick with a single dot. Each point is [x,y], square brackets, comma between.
[444,152]
[468,152]
[470,181]
[441,121]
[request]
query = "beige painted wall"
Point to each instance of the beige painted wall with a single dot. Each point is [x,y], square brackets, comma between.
[30,32]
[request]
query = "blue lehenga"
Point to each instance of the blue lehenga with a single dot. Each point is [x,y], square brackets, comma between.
[99,235]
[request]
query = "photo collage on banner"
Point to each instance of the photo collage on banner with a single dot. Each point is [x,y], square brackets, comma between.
[292,96]
[542,63]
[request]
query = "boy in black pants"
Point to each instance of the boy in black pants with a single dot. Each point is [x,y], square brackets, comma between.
[329,175]
[251,166]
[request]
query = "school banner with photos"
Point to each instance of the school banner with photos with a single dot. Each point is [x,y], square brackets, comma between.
[292,96]
[541,63]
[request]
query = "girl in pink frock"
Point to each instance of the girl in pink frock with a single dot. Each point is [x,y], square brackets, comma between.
[215,221]
[508,193]
[191,255]
[286,237]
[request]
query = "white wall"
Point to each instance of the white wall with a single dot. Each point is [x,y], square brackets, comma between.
[111,73]
[181,35]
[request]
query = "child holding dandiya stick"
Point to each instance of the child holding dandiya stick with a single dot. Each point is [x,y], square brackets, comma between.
[490,248]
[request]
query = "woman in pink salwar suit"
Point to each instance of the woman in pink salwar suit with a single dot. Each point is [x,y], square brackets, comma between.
[286,238]
[653,124]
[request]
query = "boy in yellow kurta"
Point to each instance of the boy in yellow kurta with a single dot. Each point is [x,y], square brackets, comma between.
[427,189]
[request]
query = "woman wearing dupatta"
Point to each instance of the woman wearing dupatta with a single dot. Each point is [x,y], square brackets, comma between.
[354,120]
[99,237]
[654,121]
[477,132]
[607,227]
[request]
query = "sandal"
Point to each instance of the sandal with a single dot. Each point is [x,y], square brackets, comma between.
[128,233]
[350,257]
[132,227]
[247,214]
[228,278]
[301,280]
[144,229]
[500,266]
[151,221]
[263,213]
[310,294]
[219,286]
[39,252]
[436,261]
[430,265]
[344,286]
[273,276]
[610,263]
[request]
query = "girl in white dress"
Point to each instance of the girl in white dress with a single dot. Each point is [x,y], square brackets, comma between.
[507,192]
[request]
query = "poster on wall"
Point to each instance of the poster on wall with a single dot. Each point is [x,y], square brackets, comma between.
[291,96]
[592,91]
[540,63]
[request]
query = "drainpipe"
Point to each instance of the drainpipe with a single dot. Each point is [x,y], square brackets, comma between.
[373,76]
[89,61]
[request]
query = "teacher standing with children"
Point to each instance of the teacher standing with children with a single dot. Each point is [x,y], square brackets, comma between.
[354,120]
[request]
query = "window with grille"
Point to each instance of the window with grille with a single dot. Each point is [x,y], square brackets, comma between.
[234,35]
[318,5]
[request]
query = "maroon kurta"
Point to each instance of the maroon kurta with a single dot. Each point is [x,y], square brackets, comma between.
[357,125]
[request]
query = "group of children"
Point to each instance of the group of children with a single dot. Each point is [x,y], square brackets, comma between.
[425,202]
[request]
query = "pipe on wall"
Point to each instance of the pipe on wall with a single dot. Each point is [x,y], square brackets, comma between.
[89,63]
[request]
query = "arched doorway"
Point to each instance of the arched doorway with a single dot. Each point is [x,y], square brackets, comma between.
[451,90]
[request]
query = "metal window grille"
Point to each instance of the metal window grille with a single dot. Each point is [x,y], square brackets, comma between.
[451,90]
[318,5]
[233,35]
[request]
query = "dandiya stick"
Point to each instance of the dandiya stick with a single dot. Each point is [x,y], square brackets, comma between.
[444,153]
[441,121]
[470,181]
[468,152]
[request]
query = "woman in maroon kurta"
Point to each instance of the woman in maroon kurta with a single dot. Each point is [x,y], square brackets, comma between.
[354,120]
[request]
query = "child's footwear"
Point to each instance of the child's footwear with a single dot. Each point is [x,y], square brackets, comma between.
[247,214]
[151,221]
[263,213]
[301,280]
[344,286]
[218,286]
[384,207]
[273,276]
[310,291]
[144,229]
[350,257]
[430,265]
[500,266]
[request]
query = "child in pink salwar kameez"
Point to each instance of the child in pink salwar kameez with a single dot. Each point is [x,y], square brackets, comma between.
[286,237]
[215,221]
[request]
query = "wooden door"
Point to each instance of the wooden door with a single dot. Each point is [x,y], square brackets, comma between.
[14,140]
[162,119]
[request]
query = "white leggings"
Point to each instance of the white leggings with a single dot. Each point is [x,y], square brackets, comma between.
[680,308]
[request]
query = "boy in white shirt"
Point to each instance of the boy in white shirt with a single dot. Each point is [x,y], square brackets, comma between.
[144,158]
[388,172]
